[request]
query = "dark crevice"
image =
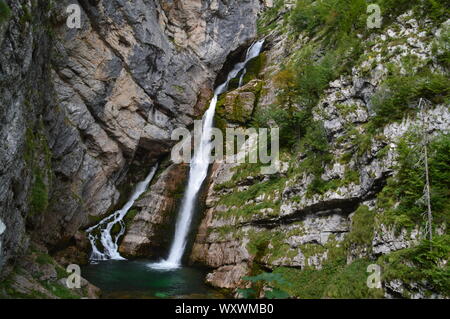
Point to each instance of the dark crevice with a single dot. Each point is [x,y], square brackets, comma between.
[325,208]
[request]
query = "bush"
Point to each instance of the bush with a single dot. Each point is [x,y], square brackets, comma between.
[441,48]
[400,94]
[289,122]
[423,262]
[406,188]
[437,10]
[336,18]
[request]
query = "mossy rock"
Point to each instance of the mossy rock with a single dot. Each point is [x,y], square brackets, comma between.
[254,67]
[5,11]
[237,106]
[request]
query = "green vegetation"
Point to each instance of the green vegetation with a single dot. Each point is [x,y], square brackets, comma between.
[441,47]
[334,280]
[437,10]
[59,290]
[238,199]
[362,229]
[128,219]
[335,19]
[267,281]
[254,68]
[232,108]
[5,11]
[406,188]
[268,20]
[36,152]
[26,16]
[39,194]
[400,94]
[420,263]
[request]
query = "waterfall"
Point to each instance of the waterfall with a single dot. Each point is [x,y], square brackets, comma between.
[102,231]
[199,169]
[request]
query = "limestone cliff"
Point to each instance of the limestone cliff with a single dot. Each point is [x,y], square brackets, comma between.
[340,199]
[81,108]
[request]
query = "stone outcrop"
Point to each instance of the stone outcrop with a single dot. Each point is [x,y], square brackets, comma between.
[148,233]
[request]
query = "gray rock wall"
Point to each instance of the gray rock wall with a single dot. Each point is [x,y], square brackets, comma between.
[78,106]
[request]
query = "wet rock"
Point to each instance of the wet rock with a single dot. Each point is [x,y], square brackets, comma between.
[148,232]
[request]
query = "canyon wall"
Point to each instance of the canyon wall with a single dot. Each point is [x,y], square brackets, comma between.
[81,108]
[309,227]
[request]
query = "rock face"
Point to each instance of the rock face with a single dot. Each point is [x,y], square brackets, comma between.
[156,211]
[256,222]
[78,106]
[238,105]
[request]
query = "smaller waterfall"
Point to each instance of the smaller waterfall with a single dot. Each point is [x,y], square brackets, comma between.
[102,231]
[199,169]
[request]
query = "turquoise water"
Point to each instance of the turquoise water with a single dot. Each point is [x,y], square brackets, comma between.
[135,279]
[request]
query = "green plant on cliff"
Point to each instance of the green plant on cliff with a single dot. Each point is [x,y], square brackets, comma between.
[314,145]
[400,94]
[403,198]
[331,19]
[333,280]
[5,11]
[39,194]
[420,263]
[263,284]
[441,47]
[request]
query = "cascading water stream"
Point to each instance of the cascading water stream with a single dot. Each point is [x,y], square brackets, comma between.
[199,169]
[110,242]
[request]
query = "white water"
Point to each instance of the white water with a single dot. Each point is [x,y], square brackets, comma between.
[104,227]
[199,169]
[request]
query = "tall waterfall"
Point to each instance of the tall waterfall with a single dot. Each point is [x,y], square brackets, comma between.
[102,231]
[199,169]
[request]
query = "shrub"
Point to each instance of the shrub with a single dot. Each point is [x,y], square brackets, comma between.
[336,18]
[426,262]
[406,188]
[289,122]
[400,94]
[441,48]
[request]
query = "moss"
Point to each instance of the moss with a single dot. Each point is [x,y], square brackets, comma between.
[254,67]
[39,194]
[38,157]
[362,228]
[59,290]
[43,259]
[230,106]
[5,11]
[129,217]
[26,16]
